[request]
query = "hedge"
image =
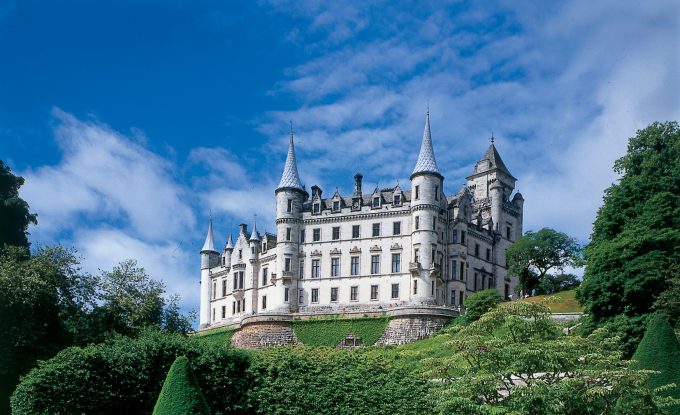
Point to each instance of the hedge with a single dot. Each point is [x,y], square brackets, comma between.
[180,394]
[331,331]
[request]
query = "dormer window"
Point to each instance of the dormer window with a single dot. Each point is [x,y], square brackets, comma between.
[397,200]
[336,206]
[316,207]
[376,201]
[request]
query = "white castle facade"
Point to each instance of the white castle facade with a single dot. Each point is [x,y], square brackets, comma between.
[374,251]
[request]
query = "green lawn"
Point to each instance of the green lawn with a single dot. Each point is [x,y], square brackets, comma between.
[563,302]
[331,331]
[219,337]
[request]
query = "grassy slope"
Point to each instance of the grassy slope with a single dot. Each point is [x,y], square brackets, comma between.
[565,302]
[218,337]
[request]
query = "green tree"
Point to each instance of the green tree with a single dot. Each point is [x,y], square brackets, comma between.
[534,254]
[14,211]
[659,350]
[636,235]
[479,303]
[180,394]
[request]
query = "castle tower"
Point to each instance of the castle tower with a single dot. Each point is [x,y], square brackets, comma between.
[227,251]
[255,242]
[290,195]
[426,202]
[209,258]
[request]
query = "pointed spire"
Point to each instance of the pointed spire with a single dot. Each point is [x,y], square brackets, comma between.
[230,242]
[426,162]
[255,235]
[290,177]
[209,245]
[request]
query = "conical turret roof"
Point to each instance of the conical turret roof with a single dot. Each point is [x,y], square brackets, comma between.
[209,245]
[290,177]
[230,242]
[495,162]
[255,235]
[426,162]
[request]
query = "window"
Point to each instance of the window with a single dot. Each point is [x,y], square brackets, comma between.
[453,269]
[233,307]
[508,231]
[317,207]
[397,199]
[461,298]
[315,295]
[453,297]
[285,294]
[415,287]
[335,267]
[213,314]
[301,270]
[454,236]
[417,193]
[290,205]
[240,280]
[265,271]
[396,228]
[396,263]
[476,250]
[224,311]
[286,266]
[224,261]
[336,206]
[236,280]
[224,287]
[395,290]
[436,193]
[301,296]
[374,292]
[417,222]
[475,283]
[336,233]
[433,256]
[264,302]
[488,254]
[302,236]
[375,264]
[315,268]
[238,306]
[240,254]
[355,231]
[288,230]
[462,237]
[354,268]
[252,250]
[376,201]
[334,294]
[353,293]
[462,271]
[376,229]
[316,236]
[434,223]
[432,285]
[416,255]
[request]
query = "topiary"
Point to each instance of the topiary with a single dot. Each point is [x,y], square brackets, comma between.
[180,394]
[659,350]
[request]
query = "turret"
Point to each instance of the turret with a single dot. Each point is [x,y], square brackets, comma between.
[518,202]
[496,196]
[209,259]
[227,251]
[290,195]
[426,202]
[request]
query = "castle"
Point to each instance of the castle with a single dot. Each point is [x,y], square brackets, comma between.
[388,250]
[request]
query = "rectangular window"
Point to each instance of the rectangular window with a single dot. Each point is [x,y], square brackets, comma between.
[417,222]
[432,289]
[213,314]
[334,294]
[290,205]
[475,282]
[376,229]
[374,292]
[376,201]
[462,237]
[488,254]
[233,307]
[396,263]
[317,207]
[315,295]
[224,311]
[288,232]
[214,290]
[353,293]
[434,224]
[316,236]
[238,306]
[375,264]
[336,205]
[461,298]
[301,296]
[476,250]
[395,290]
[453,297]
[315,268]
[335,267]
[355,231]
[264,302]
[354,268]
[240,280]
[453,269]
[416,255]
[454,236]
[436,193]
[397,199]
[224,287]
[417,193]
[462,271]
[433,256]
[508,232]
[301,270]
[336,233]
[302,236]
[415,287]
[240,254]
[265,271]
[286,266]
[285,294]
[396,228]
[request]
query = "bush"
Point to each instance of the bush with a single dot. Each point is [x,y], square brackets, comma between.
[659,350]
[479,303]
[180,394]
[331,331]
[124,376]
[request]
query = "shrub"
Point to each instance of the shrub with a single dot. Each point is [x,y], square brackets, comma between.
[479,303]
[659,350]
[331,331]
[125,376]
[180,394]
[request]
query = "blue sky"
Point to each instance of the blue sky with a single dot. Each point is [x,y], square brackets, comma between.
[130,122]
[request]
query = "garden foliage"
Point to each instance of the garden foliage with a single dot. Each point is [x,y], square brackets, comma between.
[331,331]
[479,303]
[180,394]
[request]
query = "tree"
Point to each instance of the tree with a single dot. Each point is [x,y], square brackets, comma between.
[636,235]
[180,394]
[659,350]
[534,254]
[479,303]
[14,211]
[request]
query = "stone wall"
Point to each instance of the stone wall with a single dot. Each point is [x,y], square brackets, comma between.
[258,335]
[403,330]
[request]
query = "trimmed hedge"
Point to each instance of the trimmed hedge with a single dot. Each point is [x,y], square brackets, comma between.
[180,394]
[125,376]
[659,350]
[331,331]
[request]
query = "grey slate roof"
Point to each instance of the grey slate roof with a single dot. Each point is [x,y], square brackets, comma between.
[290,177]
[426,162]
[209,245]
[230,242]
[255,235]
[495,161]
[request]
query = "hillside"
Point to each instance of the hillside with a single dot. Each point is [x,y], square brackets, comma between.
[562,302]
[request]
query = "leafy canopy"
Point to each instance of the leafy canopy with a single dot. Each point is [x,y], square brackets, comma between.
[479,303]
[14,211]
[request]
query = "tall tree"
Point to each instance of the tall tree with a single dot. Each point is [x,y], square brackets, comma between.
[14,212]
[534,254]
[636,235]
